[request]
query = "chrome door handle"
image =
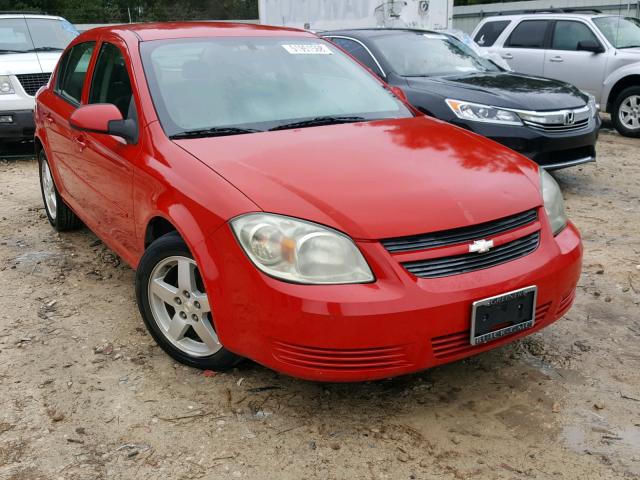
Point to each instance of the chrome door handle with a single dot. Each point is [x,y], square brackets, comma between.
[556,59]
[507,56]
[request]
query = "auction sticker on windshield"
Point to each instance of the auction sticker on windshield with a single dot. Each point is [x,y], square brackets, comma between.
[308,49]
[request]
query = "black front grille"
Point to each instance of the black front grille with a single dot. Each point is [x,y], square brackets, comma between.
[31,82]
[469,262]
[459,235]
[559,128]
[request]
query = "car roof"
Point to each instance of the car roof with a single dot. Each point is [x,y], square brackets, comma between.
[546,16]
[29,15]
[375,32]
[172,30]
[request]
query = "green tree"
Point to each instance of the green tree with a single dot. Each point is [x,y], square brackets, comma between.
[115,11]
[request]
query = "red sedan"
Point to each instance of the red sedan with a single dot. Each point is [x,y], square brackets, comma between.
[281,203]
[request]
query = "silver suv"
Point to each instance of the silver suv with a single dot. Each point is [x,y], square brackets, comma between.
[598,53]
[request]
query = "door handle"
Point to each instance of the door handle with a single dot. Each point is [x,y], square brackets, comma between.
[49,118]
[81,143]
[556,59]
[507,56]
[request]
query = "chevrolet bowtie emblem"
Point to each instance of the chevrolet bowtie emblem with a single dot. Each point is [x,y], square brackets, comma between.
[481,246]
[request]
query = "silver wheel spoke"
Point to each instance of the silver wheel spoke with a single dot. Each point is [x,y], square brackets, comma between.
[207,334]
[186,275]
[164,291]
[177,328]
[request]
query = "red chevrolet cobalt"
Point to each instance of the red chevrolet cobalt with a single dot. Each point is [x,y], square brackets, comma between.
[280,203]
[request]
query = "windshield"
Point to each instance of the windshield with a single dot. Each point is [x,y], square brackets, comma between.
[414,54]
[259,83]
[622,32]
[21,35]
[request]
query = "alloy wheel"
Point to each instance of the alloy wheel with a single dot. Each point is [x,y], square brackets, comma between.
[629,112]
[180,306]
[48,190]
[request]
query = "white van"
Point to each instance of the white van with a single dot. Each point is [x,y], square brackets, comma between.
[30,46]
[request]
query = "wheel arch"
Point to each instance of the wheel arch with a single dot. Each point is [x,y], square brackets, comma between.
[156,227]
[624,82]
[38,146]
[177,218]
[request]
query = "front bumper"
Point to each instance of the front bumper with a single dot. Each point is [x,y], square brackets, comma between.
[551,151]
[399,324]
[22,126]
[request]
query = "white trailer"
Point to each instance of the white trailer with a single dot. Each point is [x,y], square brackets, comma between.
[320,15]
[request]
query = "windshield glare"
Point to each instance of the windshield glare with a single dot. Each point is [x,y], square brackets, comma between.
[258,83]
[622,32]
[430,54]
[29,34]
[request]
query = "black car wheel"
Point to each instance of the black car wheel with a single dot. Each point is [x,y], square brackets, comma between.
[626,112]
[175,307]
[60,216]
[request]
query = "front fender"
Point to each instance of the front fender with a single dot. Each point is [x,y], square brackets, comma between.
[172,184]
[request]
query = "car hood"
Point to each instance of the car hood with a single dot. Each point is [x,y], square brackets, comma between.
[376,179]
[19,63]
[509,90]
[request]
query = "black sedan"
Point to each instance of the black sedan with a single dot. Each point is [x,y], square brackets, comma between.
[551,122]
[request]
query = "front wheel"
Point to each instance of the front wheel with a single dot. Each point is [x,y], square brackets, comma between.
[626,112]
[176,308]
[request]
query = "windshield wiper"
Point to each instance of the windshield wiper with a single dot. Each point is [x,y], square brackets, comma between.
[46,49]
[6,50]
[213,132]
[329,120]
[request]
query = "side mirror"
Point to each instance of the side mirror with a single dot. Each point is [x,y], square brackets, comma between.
[104,118]
[590,46]
[397,91]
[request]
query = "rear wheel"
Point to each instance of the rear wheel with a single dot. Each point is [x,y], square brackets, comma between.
[176,308]
[60,216]
[626,112]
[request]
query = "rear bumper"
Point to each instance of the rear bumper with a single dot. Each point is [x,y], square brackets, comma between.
[397,325]
[551,151]
[22,126]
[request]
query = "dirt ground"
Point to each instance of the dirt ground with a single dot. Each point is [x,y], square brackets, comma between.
[86,394]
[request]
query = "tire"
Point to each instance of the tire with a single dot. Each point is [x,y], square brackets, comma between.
[60,216]
[626,112]
[175,307]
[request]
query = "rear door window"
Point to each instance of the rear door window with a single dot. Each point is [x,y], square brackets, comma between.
[567,35]
[529,34]
[72,72]
[357,50]
[489,32]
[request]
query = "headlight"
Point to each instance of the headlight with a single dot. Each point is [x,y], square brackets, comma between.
[5,85]
[300,251]
[593,106]
[553,202]
[482,113]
